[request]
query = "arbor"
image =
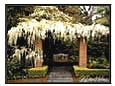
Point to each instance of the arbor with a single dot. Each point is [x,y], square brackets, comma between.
[51,22]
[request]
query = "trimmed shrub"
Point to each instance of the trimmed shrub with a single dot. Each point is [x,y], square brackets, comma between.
[85,72]
[37,72]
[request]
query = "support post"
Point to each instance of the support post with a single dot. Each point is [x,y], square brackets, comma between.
[83,53]
[39,47]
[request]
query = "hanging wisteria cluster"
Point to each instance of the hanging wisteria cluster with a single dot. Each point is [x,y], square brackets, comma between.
[33,29]
[28,54]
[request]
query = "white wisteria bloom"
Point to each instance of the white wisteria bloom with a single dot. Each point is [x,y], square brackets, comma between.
[39,29]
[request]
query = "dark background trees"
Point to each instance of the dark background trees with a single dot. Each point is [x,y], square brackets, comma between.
[15,12]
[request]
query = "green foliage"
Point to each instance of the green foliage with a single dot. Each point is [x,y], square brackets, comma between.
[85,17]
[73,11]
[97,47]
[16,12]
[98,53]
[85,72]
[38,72]
[105,12]
[14,69]
[73,58]
[100,62]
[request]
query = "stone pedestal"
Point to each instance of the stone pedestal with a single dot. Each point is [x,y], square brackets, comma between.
[83,54]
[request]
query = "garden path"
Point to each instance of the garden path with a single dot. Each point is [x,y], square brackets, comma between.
[60,74]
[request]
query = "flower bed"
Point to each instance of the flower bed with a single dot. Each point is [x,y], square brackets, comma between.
[37,72]
[85,72]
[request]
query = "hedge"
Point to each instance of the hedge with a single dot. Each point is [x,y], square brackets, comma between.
[38,72]
[85,72]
